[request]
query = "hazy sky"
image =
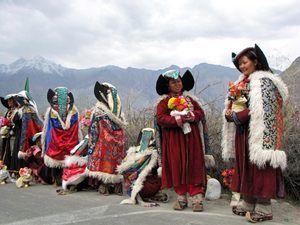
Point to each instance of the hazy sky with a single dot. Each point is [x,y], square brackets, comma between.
[151,34]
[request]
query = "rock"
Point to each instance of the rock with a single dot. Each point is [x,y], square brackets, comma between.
[213,190]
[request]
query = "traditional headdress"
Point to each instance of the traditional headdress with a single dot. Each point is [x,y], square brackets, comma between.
[36,136]
[24,98]
[4,100]
[163,79]
[257,53]
[107,93]
[61,101]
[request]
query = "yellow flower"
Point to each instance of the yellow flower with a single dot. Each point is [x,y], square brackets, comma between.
[171,103]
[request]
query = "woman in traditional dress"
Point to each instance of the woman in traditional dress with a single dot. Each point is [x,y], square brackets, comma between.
[27,123]
[253,135]
[106,141]
[7,131]
[61,131]
[184,154]
[35,160]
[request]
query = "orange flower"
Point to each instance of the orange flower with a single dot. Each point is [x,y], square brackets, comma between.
[242,84]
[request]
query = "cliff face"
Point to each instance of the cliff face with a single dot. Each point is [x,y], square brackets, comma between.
[291,77]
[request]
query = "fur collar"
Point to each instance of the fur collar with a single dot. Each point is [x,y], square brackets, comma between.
[258,156]
[121,121]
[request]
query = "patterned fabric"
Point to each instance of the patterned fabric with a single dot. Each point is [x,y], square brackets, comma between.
[172,74]
[80,150]
[258,216]
[62,101]
[158,139]
[133,173]
[31,124]
[60,142]
[239,210]
[72,171]
[206,136]
[115,100]
[273,117]
[106,145]
[147,135]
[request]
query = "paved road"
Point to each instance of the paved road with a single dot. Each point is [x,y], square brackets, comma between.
[40,204]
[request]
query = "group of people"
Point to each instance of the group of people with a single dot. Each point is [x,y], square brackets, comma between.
[174,153]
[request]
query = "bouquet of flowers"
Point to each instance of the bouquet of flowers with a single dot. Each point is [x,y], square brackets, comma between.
[1,121]
[25,171]
[235,198]
[228,174]
[5,125]
[237,94]
[25,177]
[85,119]
[4,175]
[180,108]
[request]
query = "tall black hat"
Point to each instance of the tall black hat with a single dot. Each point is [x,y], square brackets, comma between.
[4,100]
[258,53]
[163,79]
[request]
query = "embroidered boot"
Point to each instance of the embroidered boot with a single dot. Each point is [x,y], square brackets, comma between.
[243,209]
[118,189]
[197,203]
[262,213]
[159,197]
[104,189]
[180,203]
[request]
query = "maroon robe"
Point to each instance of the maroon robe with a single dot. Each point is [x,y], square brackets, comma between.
[182,155]
[248,179]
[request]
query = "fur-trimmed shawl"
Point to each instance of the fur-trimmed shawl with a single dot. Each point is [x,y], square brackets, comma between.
[258,155]
[121,120]
[50,162]
[209,159]
[134,155]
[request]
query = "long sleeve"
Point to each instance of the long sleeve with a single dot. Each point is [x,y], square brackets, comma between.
[198,112]
[163,116]
[164,119]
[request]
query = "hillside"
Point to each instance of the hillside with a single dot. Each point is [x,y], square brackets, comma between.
[135,86]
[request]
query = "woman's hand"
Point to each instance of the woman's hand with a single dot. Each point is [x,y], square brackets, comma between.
[186,119]
[228,114]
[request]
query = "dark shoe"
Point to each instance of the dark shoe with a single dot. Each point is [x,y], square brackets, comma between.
[239,210]
[159,197]
[258,216]
[118,189]
[103,189]
[180,204]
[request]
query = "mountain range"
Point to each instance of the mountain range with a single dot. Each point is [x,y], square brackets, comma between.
[136,87]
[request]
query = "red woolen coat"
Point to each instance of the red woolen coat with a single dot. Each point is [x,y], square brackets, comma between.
[182,155]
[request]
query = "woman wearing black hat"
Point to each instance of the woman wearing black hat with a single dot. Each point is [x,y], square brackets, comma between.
[253,135]
[184,151]
[7,131]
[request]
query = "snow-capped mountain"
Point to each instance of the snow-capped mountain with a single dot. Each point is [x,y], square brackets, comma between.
[130,82]
[38,63]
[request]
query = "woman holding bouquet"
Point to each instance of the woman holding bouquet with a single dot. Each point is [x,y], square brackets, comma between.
[252,135]
[7,130]
[184,154]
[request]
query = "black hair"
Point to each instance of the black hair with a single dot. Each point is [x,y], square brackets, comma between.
[252,56]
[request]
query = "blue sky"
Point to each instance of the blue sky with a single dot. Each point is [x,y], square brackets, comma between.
[147,34]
